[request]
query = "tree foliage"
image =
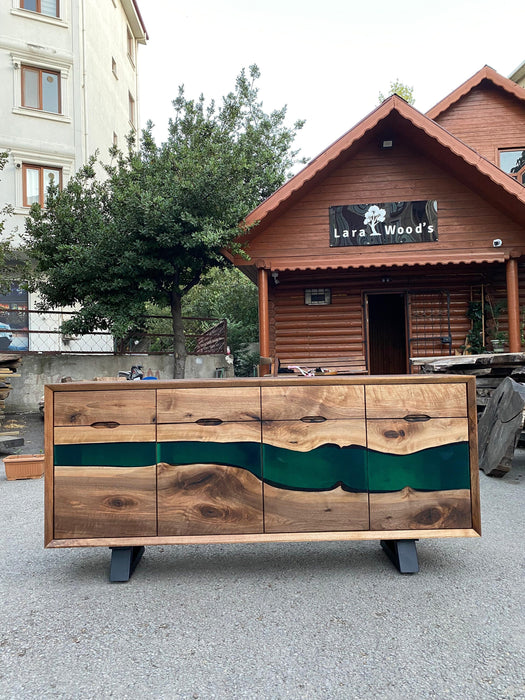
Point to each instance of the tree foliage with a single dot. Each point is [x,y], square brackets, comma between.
[227,293]
[401,89]
[5,242]
[156,224]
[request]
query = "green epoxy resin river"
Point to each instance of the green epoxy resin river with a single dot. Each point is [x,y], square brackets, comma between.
[321,469]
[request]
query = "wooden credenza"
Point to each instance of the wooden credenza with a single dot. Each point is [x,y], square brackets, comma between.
[264,459]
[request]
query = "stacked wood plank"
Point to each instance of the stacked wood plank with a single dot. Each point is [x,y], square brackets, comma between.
[489,369]
[8,368]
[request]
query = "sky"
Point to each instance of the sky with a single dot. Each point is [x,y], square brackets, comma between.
[326,60]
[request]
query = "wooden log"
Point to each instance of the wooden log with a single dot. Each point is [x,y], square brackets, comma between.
[499,428]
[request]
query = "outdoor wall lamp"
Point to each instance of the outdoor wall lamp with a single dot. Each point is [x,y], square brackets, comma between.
[275,275]
[386,144]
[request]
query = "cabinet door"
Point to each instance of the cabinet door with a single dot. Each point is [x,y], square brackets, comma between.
[120,407]
[209,478]
[189,405]
[418,457]
[104,481]
[314,476]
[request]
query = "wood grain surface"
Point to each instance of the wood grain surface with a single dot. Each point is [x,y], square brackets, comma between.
[419,510]
[89,434]
[239,403]
[303,437]
[102,501]
[306,511]
[204,499]
[434,400]
[394,436]
[87,407]
[295,402]
[226,432]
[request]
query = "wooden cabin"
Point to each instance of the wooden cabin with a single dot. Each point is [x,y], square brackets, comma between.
[405,238]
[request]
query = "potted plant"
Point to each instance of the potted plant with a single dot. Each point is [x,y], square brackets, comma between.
[498,341]
[24,467]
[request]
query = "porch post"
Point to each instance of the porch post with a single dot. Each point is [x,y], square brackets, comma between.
[264,316]
[513,305]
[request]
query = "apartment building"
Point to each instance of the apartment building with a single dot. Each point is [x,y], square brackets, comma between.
[70,87]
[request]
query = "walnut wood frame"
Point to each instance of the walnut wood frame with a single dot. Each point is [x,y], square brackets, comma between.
[397,534]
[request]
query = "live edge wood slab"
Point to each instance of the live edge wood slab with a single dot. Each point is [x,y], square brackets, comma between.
[289,459]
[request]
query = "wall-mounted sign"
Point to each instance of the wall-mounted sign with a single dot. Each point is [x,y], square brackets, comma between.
[384,223]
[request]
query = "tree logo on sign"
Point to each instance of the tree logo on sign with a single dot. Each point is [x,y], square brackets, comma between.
[374,216]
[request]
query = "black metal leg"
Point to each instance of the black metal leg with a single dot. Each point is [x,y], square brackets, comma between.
[123,562]
[403,554]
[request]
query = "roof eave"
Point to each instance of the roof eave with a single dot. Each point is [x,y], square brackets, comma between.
[320,166]
[486,73]
[135,21]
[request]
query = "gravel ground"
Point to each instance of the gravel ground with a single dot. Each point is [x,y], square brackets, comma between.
[326,620]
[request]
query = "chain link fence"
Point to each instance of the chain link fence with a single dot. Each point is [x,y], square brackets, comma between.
[32,331]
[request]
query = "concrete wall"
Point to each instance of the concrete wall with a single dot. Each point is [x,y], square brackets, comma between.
[38,370]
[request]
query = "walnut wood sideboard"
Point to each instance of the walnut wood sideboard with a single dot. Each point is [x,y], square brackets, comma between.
[391,458]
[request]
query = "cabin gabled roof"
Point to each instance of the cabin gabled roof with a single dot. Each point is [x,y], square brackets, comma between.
[485,74]
[482,175]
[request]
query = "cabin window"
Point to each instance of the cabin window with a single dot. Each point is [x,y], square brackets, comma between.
[317,297]
[513,163]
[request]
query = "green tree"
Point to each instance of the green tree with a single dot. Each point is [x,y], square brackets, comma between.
[399,88]
[227,293]
[158,222]
[6,250]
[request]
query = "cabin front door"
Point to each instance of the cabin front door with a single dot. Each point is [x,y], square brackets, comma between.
[387,334]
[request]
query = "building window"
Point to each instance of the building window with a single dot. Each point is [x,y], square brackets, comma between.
[513,163]
[131,46]
[131,110]
[41,89]
[317,297]
[114,67]
[51,8]
[37,180]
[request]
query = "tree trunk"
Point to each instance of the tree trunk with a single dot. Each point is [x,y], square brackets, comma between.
[179,344]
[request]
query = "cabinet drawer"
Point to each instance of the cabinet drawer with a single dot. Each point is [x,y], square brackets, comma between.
[224,432]
[89,407]
[296,402]
[400,400]
[104,433]
[191,405]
